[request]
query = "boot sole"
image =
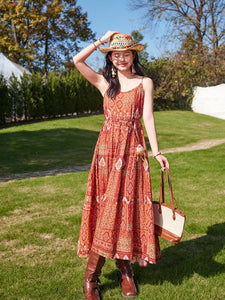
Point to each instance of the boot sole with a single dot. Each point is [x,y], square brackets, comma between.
[128,297]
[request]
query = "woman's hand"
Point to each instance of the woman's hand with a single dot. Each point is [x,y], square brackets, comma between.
[163,161]
[79,60]
[106,38]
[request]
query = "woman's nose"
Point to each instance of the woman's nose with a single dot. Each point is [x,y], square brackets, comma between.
[121,57]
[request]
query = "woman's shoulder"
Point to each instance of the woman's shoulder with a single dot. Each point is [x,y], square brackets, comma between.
[144,79]
[147,79]
[147,83]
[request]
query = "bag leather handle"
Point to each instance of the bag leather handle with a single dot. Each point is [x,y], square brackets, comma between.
[162,197]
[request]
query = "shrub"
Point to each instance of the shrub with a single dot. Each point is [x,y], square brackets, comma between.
[35,97]
[15,99]
[25,93]
[5,107]
[175,77]
[36,110]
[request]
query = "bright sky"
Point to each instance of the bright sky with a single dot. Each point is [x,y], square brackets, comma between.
[117,15]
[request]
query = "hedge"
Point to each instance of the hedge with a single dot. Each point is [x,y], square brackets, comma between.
[69,93]
[35,97]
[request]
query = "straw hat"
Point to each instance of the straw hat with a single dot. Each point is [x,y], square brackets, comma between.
[122,42]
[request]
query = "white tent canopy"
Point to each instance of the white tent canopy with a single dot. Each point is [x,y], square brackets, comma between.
[210,101]
[7,68]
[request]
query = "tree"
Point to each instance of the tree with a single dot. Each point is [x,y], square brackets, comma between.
[25,93]
[204,17]
[143,55]
[42,34]
[4,100]
[15,98]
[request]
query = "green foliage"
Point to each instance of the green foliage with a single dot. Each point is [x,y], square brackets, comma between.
[25,94]
[5,107]
[42,34]
[175,77]
[15,98]
[201,59]
[71,90]
[89,98]
[54,95]
[143,55]
[35,97]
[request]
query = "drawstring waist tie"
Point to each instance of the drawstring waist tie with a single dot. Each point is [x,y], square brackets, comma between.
[140,151]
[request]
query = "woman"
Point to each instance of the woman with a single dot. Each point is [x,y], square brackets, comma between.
[117,220]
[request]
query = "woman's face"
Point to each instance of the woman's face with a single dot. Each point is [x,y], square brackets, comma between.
[122,60]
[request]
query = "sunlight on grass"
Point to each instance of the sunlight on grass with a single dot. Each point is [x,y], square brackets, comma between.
[40,217]
[40,221]
[63,143]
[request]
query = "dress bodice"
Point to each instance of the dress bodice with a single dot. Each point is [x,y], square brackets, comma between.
[126,106]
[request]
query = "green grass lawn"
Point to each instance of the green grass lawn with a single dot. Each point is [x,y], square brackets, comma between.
[62,143]
[40,218]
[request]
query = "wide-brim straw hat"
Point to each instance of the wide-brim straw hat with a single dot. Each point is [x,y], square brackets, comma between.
[122,42]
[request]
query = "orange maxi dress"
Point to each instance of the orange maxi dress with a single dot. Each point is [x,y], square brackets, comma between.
[117,219]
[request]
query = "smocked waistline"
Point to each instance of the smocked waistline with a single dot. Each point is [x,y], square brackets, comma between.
[112,120]
[133,124]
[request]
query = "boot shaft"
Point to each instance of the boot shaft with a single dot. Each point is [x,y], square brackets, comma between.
[93,271]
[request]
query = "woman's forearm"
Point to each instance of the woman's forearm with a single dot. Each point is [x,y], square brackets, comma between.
[83,55]
[152,135]
[86,52]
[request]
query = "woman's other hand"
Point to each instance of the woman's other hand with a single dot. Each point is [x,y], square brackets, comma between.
[163,161]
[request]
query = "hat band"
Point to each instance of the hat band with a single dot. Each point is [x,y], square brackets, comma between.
[122,46]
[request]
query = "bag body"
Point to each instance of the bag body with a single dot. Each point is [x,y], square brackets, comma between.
[169,220]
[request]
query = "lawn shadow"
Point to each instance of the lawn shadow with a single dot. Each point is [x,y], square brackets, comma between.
[182,261]
[45,149]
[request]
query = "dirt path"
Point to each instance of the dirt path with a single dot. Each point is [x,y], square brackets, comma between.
[200,145]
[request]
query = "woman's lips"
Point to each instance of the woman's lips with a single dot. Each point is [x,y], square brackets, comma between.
[122,65]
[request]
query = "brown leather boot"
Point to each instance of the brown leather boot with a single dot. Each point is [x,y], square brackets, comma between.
[125,276]
[93,270]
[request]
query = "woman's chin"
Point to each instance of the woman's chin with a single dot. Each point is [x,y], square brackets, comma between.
[123,69]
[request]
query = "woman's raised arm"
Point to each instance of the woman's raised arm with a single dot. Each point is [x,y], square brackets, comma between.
[79,60]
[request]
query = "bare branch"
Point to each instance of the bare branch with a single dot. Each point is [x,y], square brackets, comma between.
[205,17]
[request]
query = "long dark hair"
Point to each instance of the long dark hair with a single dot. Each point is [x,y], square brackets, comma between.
[114,84]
